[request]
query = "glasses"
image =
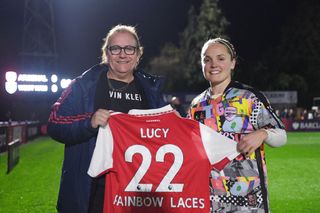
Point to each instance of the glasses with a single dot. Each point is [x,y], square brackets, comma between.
[116,49]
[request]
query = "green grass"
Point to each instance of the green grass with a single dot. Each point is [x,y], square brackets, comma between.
[293,173]
[32,186]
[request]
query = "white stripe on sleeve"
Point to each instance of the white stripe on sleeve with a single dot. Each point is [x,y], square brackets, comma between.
[217,146]
[102,155]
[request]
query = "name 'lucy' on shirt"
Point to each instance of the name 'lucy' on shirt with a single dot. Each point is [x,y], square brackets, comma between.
[154,132]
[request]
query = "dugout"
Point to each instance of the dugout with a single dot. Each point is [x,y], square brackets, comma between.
[21,130]
[13,134]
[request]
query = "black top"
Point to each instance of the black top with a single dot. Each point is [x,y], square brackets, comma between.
[119,96]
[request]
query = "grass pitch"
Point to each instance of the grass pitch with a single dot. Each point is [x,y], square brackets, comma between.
[293,175]
[33,185]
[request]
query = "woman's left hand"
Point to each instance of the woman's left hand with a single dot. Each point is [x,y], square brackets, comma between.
[250,142]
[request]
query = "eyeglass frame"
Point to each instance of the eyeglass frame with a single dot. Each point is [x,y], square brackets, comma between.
[123,48]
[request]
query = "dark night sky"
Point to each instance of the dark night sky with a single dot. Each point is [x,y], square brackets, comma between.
[81,24]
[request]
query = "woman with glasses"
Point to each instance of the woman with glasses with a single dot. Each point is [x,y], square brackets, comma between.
[243,114]
[115,84]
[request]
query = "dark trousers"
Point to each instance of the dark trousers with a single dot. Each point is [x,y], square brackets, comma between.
[97,195]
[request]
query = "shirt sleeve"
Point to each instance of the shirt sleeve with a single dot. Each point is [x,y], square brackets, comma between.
[68,123]
[276,137]
[263,115]
[220,149]
[102,155]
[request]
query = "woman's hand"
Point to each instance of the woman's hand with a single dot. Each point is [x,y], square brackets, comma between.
[250,142]
[100,118]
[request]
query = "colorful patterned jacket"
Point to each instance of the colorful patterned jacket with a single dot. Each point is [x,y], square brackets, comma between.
[242,185]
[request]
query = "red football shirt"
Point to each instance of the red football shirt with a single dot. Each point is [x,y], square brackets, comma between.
[156,161]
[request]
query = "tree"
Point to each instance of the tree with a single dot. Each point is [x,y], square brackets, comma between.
[300,49]
[168,64]
[295,63]
[183,59]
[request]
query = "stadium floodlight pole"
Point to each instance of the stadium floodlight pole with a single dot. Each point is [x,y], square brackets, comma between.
[39,40]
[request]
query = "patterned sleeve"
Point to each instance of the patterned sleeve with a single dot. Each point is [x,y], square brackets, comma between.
[263,115]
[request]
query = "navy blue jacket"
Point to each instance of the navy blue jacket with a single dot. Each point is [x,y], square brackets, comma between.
[70,124]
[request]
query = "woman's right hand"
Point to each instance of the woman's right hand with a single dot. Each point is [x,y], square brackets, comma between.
[100,118]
